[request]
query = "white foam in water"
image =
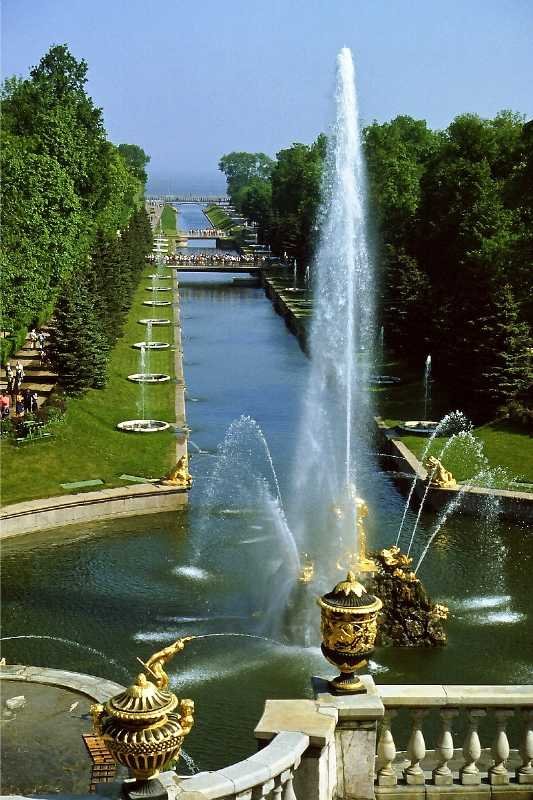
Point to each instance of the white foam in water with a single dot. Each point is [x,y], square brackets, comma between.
[500,618]
[195,573]
[256,527]
[491,601]
[376,668]
[256,539]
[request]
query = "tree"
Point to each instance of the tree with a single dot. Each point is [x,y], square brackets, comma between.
[239,169]
[296,183]
[256,204]
[506,364]
[77,348]
[136,159]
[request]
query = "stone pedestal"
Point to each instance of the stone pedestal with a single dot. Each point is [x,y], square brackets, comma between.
[315,778]
[355,737]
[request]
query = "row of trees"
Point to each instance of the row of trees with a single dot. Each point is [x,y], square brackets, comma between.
[68,194]
[453,216]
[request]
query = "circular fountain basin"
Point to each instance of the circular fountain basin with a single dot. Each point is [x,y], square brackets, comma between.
[419,427]
[158,288]
[151,345]
[149,377]
[157,303]
[154,321]
[143,425]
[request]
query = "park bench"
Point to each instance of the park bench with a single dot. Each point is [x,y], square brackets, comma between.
[33,432]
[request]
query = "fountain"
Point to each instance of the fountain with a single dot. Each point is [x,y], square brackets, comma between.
[149,344]
[336,419]
[155,321]
[427,387]
[143,377]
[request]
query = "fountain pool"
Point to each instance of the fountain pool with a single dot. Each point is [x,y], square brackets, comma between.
[126,587]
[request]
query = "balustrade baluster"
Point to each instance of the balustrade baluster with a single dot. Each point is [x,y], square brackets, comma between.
[288,789]
[442,774]
[387,751]
[278,789]
[498,773]
[469,772]
[416,750]
[524,773]
[263,790]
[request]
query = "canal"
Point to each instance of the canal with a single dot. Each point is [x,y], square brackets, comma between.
[126,588]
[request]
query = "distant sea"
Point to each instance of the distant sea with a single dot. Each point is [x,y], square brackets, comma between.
[187,183]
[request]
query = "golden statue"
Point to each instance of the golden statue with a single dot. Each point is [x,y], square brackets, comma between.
[356,561]
[307,572]
[179,475]
[438,475]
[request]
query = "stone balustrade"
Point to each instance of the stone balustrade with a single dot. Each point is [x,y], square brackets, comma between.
[480,760]
[295,760]
[270,773]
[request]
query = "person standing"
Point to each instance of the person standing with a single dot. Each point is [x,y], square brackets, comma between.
[19,406]
[5,403]
[34,407]
[19,373]
[26,394]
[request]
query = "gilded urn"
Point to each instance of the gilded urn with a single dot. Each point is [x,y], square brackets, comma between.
[349,628]
[144,726]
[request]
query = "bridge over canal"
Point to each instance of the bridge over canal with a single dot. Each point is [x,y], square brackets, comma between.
[217,199]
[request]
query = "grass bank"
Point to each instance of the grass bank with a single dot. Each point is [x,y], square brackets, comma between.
[169,218]
[221,220]
[504,445]
[86,444]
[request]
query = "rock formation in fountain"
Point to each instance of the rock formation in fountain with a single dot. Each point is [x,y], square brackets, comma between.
[408,618]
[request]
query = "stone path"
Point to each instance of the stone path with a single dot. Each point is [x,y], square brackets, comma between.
[38,378]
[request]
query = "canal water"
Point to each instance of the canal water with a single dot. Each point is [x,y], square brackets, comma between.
[125,588]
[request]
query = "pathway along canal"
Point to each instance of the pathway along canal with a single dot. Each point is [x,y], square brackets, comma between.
[130,586]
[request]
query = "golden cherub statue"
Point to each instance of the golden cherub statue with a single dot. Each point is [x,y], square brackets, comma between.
[438,475]
[357,560]
[179,475]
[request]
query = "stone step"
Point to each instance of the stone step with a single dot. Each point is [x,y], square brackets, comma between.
[40,388]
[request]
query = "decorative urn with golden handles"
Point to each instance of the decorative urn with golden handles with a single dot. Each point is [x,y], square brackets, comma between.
[349,626]
[145,725]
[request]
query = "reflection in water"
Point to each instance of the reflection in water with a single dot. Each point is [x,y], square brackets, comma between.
[127,582]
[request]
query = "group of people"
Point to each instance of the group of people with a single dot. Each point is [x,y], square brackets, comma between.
[24,401]
[206,233]
[14,398]
[38,340]
[214,259]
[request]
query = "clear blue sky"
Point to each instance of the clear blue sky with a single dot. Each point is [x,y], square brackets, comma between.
[189,81]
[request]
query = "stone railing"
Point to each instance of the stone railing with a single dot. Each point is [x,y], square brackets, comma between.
[473,766]
[296,760]
[269,773]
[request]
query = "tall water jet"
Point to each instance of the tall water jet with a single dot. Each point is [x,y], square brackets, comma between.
[143,369]
[427,388]
[336,418]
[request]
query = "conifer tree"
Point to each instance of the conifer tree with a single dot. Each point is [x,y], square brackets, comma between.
[78,349]
[507,371]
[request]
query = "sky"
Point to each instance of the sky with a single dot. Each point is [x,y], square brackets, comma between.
[190,81]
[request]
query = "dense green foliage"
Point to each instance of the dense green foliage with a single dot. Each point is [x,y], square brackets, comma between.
[452,213]
[281,196]
[457,242]
[67,191]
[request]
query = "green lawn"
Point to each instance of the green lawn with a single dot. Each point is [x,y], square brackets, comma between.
[220,219]
[168,220]
[87,445]
[504,445]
